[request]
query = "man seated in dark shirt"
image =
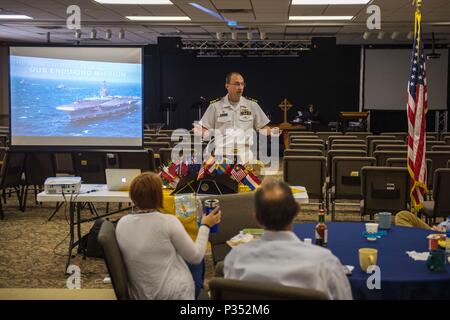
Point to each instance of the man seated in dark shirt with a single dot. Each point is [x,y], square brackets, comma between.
[312,114]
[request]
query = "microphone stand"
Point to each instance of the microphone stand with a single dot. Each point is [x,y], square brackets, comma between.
[168,111]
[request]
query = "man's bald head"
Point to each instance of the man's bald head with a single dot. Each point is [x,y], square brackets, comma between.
[275,205]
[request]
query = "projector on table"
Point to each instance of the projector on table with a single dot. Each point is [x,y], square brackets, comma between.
[54,185]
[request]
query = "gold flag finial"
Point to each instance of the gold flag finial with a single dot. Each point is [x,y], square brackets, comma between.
[417,3]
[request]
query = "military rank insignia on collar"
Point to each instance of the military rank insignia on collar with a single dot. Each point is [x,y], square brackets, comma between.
[214,100]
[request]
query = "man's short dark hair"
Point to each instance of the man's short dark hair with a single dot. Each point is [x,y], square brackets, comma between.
[229,75]
[275,205]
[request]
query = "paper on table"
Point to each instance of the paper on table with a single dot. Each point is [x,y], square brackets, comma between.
[418,256]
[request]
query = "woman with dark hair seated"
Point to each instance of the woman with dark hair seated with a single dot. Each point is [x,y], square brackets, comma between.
[155,246]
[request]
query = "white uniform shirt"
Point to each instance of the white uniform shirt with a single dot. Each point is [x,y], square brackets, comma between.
[234,123]
[221,115]
[155,247]
[281,257]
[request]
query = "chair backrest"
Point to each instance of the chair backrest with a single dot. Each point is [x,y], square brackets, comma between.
[302,152]
[12,169]
[391,147]
[38,167]
[401,162]
[114,260]
[325,134]
[64,163]
[378,137]
[374,143]
[3,153]
[360,135]
[444,147]
[384,189]
[155,146]
[299,133]
[340,137]
[231,289]
[446,139]
[346,176]
[431,144]
[306,146]
[306,171]
[90,166]
[237,214]
[165,155]
[306,141]
[166,131]
[165,139]
[441,192]
[383,155]
[308,137]
[439,158]
[154,135]
[137,159]
[342,153]
[397,135]
[347,141]
[433,135]
[343,146]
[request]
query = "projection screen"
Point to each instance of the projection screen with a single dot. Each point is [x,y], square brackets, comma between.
[386,73]
[76,96]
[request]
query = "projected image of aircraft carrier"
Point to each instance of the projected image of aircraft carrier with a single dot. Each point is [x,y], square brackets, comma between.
[103,106]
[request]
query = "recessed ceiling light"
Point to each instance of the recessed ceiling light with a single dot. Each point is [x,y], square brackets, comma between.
[158,18]
[134,1]
[312,18]
[328,2]
[15,16]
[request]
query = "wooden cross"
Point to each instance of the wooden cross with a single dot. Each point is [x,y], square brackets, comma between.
[285,105]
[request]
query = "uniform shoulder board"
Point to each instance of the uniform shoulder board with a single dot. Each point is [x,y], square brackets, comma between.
[251,99]
[214,100]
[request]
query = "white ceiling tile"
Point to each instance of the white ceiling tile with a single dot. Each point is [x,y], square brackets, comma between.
[232,4]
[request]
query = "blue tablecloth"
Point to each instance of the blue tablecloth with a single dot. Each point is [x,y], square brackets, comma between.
[401,276]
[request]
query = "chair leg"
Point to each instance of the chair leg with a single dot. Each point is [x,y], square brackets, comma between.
[4,196]
[35,194]
[1,211]
[20,195]
[24,198]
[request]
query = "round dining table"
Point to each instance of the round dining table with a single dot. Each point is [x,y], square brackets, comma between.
[401,276]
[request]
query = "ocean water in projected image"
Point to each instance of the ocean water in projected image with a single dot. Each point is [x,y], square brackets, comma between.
[63,106]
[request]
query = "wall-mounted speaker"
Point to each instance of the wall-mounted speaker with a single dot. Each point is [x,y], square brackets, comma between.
[169,44]
[323,43]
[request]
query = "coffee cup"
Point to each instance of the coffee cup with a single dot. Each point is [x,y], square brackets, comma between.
[371,227]
[367,257]
[384,220]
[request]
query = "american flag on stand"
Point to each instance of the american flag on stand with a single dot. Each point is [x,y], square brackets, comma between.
[417,109]
[238,173]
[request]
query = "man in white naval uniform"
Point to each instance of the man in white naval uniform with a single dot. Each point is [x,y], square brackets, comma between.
[232,121]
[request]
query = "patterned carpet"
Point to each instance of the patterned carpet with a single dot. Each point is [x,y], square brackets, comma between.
[33,250]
